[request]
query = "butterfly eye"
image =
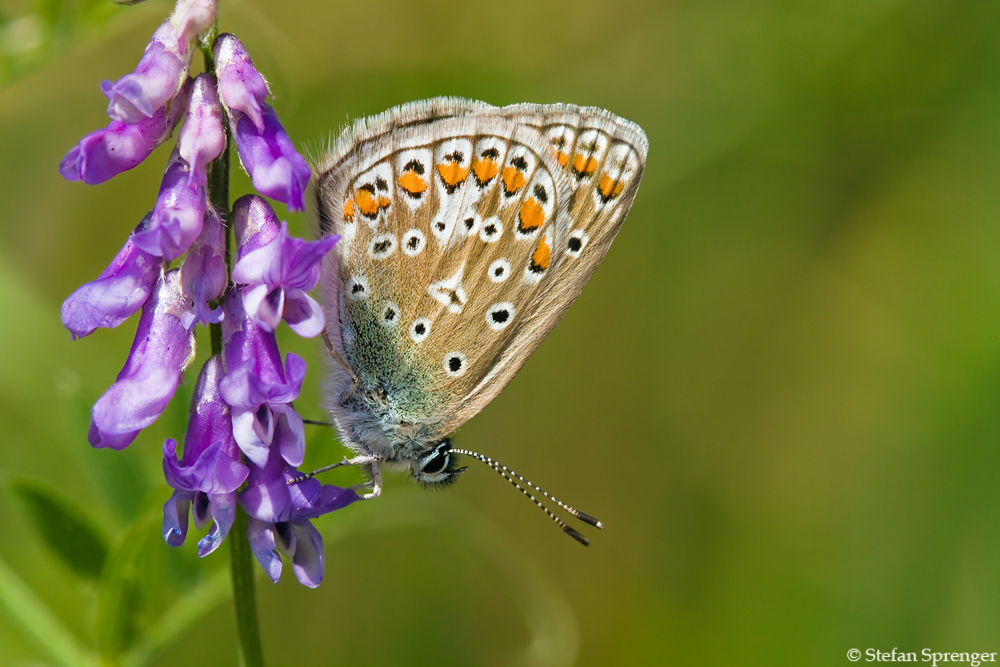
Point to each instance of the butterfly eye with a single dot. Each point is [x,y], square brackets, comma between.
[435,463]
[454,364]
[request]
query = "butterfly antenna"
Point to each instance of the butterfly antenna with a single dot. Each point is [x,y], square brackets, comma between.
[508,474]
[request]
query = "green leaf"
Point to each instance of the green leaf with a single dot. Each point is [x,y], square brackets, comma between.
[62,526]
[120,592]
[38,622]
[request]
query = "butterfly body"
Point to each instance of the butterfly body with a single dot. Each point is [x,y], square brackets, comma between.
[467,231]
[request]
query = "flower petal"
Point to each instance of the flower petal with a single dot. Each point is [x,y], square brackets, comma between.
[308,559]
[161,351]
[268,155]
[261,537]
[118,292]
[241,87]
[179,215]
[156,78]
[121,146]
[175,516]
[202,137]
[222,507]
[303,314]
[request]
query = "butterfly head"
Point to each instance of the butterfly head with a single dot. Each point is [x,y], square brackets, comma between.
[436,466]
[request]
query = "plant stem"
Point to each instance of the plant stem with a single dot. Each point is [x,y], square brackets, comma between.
[251,654]
[241,560]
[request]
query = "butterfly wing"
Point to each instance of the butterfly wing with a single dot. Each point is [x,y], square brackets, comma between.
[458,253]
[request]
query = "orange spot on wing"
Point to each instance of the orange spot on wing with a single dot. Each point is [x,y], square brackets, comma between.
[485,170]
[531,216]
[349,209]
[452,173]
[369,204]
[541,258]
[609,188]
[563,158]
[412,183]
[584,165]
[513,180]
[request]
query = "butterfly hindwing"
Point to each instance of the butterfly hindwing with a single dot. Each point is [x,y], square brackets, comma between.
[458,256]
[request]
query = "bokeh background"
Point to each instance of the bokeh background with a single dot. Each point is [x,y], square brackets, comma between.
[780,390]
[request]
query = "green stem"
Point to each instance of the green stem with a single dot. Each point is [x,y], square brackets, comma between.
[241,560]
[251,654]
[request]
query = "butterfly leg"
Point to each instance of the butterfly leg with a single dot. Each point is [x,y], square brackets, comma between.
[376,489]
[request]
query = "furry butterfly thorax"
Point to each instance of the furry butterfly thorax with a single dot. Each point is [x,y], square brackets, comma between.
[467,231]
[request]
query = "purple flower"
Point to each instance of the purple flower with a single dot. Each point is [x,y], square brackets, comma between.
[242,88]
[254,223]
[117,293]
[276,168]
[264,148]
[278,276]
[193,17]
[202,138]
[120,146]
[279,518]
[162,350]
[259,389]
[178,216]
[203,274]
[209,472]
[157,78]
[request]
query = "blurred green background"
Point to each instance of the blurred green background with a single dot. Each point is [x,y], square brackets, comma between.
[779,392]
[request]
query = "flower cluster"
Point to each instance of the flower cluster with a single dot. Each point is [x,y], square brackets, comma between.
[244,440]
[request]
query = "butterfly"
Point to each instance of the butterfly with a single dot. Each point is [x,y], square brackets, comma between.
[467,231]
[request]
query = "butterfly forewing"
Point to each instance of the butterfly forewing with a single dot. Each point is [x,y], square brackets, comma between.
[458,251]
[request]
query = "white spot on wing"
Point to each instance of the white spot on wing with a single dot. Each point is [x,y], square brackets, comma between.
[491,230]
[449,292]
[499,270]
[500,315]
[420,329]
[413,242]
[357,288]
[454,364]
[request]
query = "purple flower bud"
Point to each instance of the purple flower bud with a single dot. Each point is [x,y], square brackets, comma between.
[117,293]
[254,222]
[120,146]
[264,148]
[210,472]
[162,350]
[259,389]
[193,17]
[178,216]
[202,138]
[279,518]
[203,274]
[276,168]
[158,76]
[241,86]
[278,276]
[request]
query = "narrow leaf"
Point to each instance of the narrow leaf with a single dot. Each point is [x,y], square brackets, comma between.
[62,526]
[39,624]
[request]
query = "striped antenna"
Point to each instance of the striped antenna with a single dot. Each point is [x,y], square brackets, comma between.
[510,475]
